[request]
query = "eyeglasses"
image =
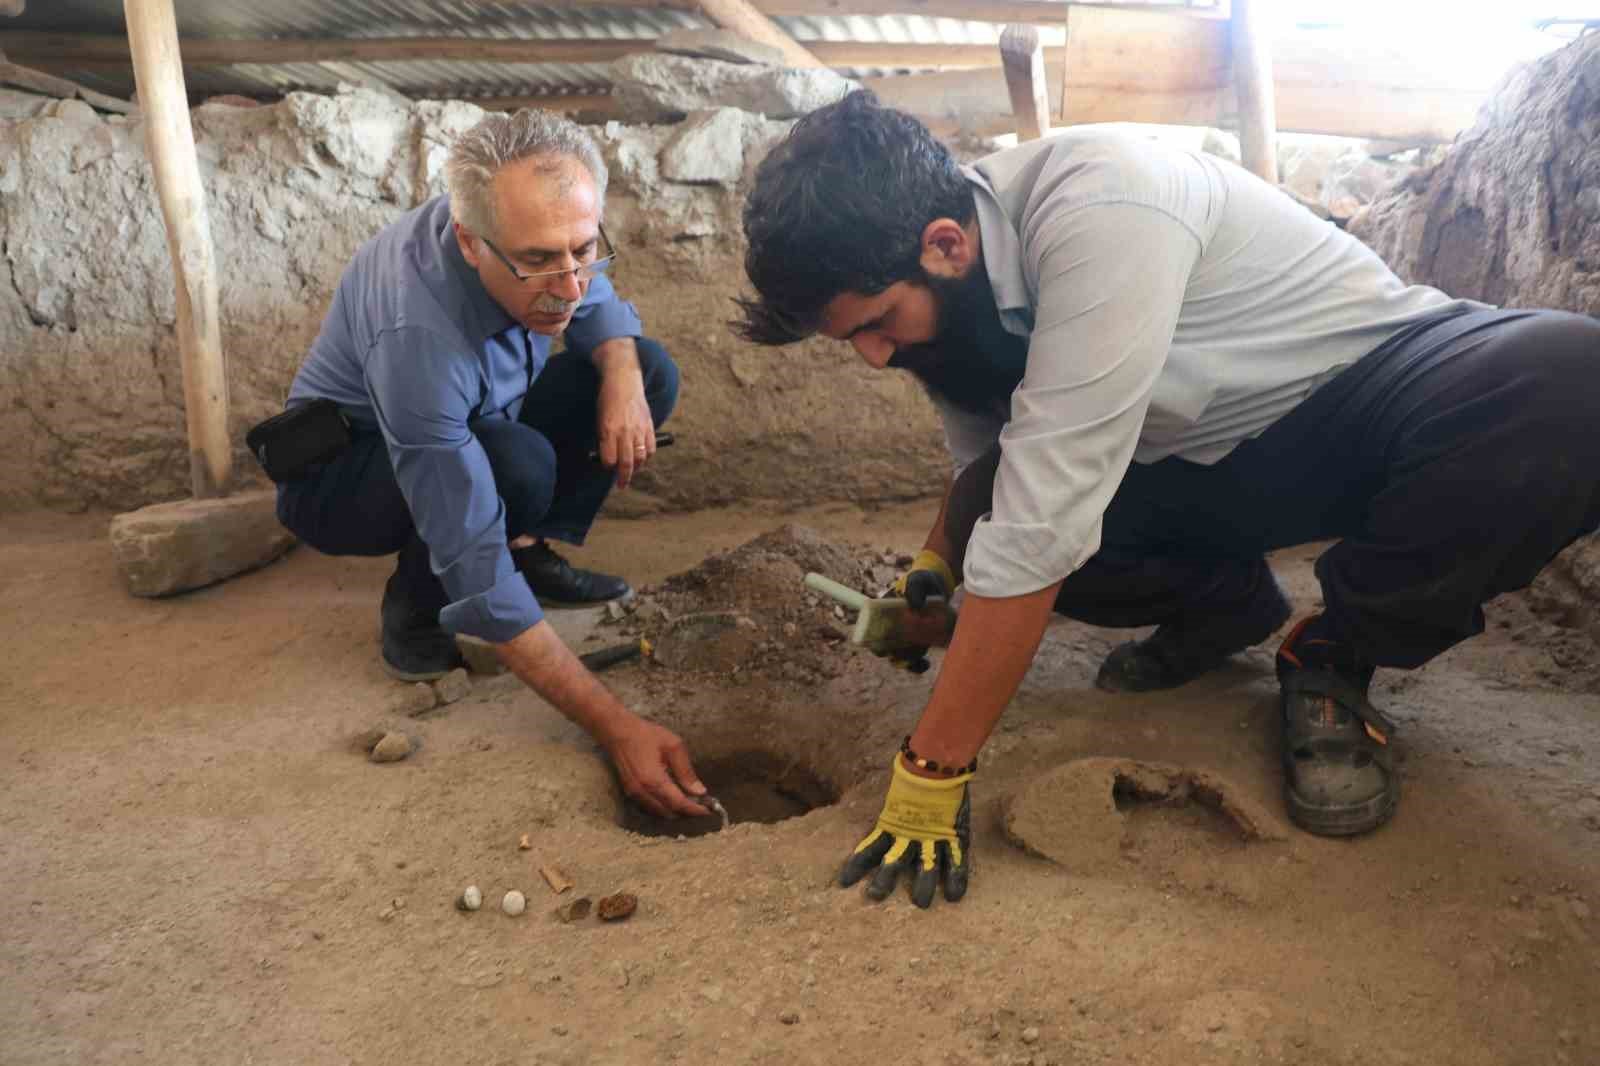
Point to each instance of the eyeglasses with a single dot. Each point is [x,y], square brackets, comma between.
[583,271]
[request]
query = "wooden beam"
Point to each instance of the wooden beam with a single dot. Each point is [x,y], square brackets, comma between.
[158,69]
[1253,89]
[38,81]
[68,52]
[1022,59]
[740,17]
[1136,65]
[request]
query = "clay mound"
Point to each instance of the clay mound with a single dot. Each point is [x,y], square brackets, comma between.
[1086,813]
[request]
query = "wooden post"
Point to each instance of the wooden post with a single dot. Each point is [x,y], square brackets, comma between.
[1252,87]
[743,18]
[1022,58]
[169,139]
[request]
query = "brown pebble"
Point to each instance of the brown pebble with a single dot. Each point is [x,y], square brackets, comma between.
[392,748]
[574,909]
[615,907]
[523,843]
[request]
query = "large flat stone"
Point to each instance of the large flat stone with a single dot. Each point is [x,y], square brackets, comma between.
[173,547]
[708,148]
[655,87]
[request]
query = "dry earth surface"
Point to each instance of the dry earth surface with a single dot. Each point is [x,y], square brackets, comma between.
[201,867]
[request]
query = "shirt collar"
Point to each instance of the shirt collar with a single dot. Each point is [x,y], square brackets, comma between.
[1002,255]
[484,317]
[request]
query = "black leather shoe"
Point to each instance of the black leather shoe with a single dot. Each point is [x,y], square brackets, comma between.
[556,581]
[415,647]
[1182,650]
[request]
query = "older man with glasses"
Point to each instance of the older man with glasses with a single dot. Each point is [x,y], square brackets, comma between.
[470,446]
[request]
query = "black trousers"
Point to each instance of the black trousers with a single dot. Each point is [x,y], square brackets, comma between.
[551,488]
[1452,463]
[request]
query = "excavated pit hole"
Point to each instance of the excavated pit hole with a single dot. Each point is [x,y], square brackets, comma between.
[1178,807]
[754,786]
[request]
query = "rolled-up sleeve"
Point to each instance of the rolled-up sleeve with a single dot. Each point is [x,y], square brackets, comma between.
[424,387]
[602,316]
[1111,279]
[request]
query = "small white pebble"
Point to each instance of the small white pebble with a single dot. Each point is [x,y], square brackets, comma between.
[471,898]
[514,903]
[789,1016]
[1030,1035]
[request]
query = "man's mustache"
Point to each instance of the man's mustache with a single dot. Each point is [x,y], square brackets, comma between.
[553,305]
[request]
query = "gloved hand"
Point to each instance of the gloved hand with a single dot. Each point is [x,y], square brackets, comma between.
[928,578]
[925,829]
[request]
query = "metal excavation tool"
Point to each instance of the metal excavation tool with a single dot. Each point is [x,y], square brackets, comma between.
[712,804]
[618,653]
[875,617]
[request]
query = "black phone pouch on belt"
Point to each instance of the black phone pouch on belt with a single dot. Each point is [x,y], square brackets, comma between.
[288,445]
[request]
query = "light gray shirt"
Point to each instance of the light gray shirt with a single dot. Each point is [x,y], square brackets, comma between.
[1174,304]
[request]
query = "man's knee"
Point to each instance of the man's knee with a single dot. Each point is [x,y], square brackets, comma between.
[660,378]
[524,464]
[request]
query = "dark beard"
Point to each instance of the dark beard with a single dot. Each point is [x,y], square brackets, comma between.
[972,361]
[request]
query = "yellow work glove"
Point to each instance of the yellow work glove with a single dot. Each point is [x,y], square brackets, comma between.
[928,579]
[925,828]
[929,576]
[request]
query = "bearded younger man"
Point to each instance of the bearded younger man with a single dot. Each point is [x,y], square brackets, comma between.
[1153,368]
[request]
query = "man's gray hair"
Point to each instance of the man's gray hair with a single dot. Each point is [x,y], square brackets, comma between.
[502,138]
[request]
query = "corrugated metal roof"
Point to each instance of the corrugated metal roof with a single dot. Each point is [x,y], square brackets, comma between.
[464,18]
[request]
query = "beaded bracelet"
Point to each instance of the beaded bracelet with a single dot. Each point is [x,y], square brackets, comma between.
[932,766]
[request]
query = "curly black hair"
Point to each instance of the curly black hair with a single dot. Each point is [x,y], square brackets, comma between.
[839,206]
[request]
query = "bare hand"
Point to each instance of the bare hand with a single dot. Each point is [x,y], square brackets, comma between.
[627,431]
[654,767]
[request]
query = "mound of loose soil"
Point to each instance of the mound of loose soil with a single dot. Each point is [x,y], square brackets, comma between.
[747,612]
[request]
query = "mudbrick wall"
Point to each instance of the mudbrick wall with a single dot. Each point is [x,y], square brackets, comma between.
[1511,214]
[90,381]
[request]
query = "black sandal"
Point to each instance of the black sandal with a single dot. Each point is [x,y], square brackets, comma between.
[1339,775]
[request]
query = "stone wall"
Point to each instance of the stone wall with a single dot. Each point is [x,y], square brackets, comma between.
[1511,215]
[90,384]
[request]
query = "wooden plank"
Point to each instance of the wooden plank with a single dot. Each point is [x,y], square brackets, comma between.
[38,81]
[738,16]
[1022,60]
[158,69]
[1253,89]
[55,51]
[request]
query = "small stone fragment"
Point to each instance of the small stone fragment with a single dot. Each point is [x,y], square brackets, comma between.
[1030,1035]
[614,611]
[480,656]
[615,907]
[454,686]
[789,1016]
[710,993]
[574,909]
[559,1029]
[558,881]
[471,899]
[523,843]
[514,903]
[392,748]
[413,700]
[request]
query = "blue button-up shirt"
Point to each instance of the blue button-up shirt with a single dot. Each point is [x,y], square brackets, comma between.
[415,347]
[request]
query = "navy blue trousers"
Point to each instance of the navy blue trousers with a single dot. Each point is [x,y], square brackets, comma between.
[1451,464]
[352,505]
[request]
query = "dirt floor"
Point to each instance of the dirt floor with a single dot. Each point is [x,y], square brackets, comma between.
[201,866]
